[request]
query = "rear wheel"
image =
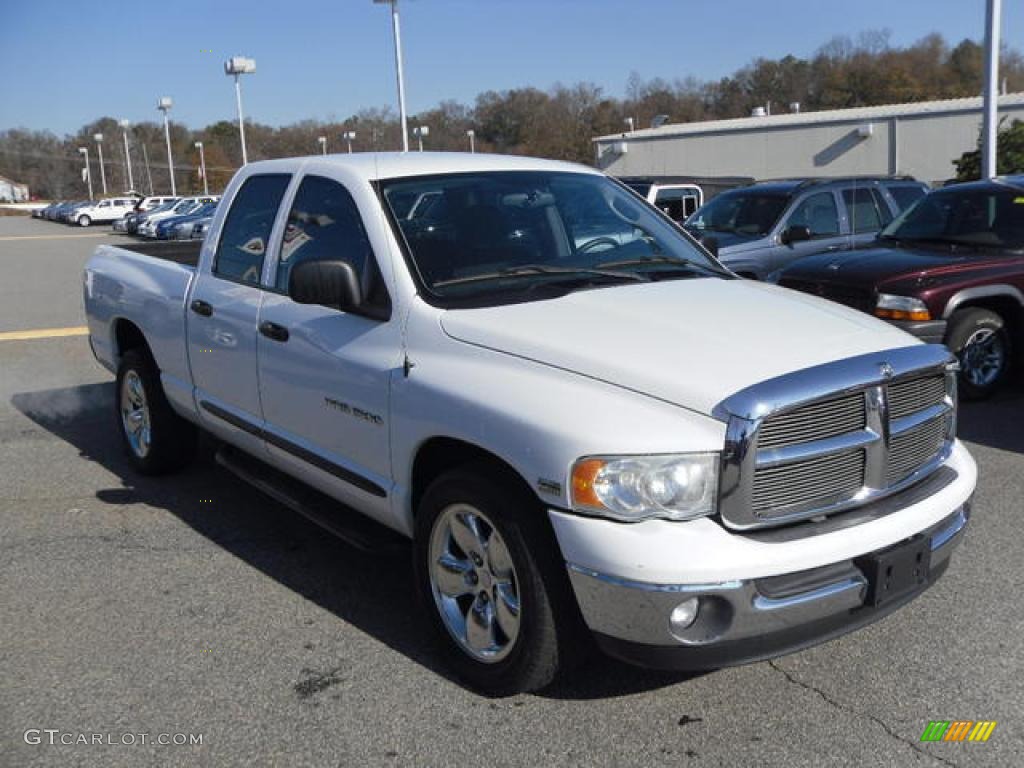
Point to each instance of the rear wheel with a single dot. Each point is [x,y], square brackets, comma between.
[979,339]
[156,439]
[84,221]
[491,582]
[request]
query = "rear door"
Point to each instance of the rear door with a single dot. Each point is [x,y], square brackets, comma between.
[867,212]
[325,374]
[224,309]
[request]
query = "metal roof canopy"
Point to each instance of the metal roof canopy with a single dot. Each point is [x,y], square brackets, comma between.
[797,119]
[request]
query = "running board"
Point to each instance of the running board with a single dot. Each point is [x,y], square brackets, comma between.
[345,523]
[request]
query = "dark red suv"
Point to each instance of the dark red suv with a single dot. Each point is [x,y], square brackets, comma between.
[949,269]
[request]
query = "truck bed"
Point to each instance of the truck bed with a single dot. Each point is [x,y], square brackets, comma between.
[184,252]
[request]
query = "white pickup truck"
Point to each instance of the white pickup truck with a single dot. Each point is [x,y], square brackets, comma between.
[611,437]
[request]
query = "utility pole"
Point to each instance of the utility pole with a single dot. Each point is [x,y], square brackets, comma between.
[990,122]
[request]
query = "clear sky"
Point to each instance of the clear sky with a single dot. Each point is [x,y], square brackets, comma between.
[67,62]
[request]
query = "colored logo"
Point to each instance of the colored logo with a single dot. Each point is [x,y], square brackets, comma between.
[958,730]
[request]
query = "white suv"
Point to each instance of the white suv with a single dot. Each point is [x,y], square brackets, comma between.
[105,211]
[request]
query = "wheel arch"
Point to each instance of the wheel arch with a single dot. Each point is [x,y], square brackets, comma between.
[127,335]
[1005,300]
[440,454]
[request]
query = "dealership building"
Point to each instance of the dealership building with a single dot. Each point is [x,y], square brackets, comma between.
[920,139]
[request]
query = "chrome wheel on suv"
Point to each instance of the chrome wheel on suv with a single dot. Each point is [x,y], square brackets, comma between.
[983,357]
[474,583]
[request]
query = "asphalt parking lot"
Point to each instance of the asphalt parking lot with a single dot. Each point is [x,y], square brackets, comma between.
[193,604]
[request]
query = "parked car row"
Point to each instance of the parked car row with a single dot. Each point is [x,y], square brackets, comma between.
[945,265]
[158,217]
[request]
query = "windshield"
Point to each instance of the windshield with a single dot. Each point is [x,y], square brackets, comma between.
[741,212]
[988,216]
[496,237]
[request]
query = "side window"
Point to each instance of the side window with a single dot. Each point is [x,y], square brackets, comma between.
[882,205]
[246,232]
[906,195]
[677,203]
[862,210]
[818,213]
[324,223]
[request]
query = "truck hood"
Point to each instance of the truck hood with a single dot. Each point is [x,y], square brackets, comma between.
[870,266]
[687,342]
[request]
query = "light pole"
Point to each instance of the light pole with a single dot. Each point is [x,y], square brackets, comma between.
[88,171]
[164,105]
[398,69]
[349,137]
[202,167]
[419,132]
[127,158]
[239,65]
[98,138]
[472,139]
[322,141]
[990,120]
[149,172]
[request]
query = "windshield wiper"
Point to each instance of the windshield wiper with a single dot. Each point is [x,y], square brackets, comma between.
[677,262]
[529,270]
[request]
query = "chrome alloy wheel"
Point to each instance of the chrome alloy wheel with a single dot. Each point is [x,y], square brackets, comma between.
[474,583]
[983,357]
[135,414]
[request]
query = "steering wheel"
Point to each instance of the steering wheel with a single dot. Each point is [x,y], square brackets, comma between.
[588,246]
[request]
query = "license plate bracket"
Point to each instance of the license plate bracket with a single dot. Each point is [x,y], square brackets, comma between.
[893,572]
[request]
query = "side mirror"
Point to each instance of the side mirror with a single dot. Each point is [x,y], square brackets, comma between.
[795,234]
[331,283]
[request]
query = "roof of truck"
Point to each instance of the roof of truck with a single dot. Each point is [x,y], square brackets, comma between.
[390,165]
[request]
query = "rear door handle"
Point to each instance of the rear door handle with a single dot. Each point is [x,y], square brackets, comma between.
[274,331]
[201,307]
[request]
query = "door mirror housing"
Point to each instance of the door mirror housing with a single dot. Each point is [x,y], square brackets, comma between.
[795,234]
[330,283]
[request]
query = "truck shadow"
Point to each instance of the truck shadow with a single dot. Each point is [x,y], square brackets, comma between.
[370,591]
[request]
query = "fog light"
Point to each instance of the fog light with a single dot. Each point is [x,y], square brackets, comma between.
[683,616]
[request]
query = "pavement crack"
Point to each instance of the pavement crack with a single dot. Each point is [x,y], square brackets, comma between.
[794,680]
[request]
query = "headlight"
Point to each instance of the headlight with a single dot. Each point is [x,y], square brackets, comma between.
[631,488]
[901,308]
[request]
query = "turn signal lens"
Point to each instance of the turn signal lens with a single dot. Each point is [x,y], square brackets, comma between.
[892,307]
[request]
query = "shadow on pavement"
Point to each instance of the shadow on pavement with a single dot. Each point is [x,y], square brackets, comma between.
[370,591]
[998,422]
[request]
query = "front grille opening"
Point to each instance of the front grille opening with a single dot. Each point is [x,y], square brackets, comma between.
[908,397]
[910,450]
[818,421]
[818,482]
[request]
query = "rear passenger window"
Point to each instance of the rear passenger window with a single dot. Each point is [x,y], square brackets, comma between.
[819,214]
[862,210]
[324,223]
[246,231]
[906,195]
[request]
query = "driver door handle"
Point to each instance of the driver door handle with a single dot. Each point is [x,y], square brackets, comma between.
[201,307]
[274,331]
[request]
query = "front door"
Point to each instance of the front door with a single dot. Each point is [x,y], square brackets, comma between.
[818,212]
[325,374]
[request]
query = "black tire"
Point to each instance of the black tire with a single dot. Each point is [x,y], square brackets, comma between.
[971,333]
[171,440]
[550,627]
[84,221]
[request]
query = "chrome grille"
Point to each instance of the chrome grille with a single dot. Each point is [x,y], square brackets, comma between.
[814,422]
[911,449]
[794,452]
[778,489]
[907,397]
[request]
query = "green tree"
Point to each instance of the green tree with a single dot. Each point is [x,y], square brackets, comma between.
[1009,154]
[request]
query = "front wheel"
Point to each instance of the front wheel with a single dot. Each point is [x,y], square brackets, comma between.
[156,439]
[491,583]
[979,339]
[84,221]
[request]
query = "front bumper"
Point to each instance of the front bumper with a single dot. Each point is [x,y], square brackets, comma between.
[928,331]
[760,594]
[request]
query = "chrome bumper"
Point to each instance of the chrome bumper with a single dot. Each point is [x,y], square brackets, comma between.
[740,621]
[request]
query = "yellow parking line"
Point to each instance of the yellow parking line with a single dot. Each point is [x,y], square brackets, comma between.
[55,237]
[43,333]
